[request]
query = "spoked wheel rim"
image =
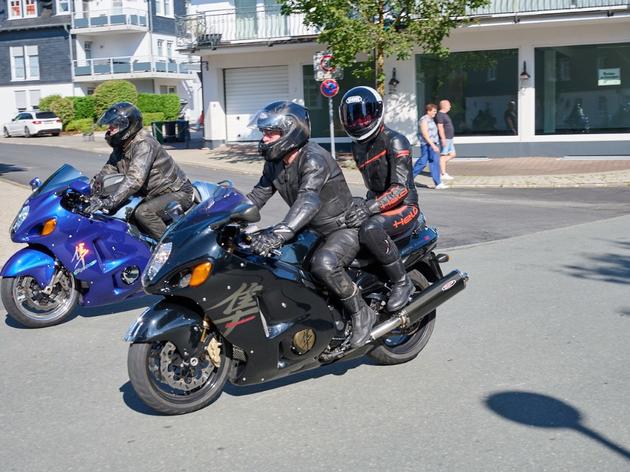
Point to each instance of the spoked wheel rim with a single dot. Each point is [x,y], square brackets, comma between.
[180,381]
[33,302]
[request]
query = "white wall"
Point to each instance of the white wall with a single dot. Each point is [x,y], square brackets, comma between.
[7,96]
[107,5]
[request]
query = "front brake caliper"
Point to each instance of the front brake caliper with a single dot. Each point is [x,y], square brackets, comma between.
[214,352]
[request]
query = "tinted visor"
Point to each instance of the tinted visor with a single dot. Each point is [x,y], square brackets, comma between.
[359,117]
[113,121]
[266,120]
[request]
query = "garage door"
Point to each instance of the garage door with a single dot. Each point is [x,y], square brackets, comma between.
[247,90]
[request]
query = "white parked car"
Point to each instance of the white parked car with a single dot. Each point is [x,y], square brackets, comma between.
[32,123]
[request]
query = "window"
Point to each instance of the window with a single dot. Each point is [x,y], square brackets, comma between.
[317,104]
[22,9]
[87,49]
[482,87]
[63,7]
[26,99]
[34,99]
[90,90]
[583,89]
[24,63]
[169,49]
[20,100]
[164,89]
[164,7]
[160,47]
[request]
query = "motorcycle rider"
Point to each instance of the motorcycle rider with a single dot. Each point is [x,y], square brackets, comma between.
[148,169]
[391,208]
[311,182]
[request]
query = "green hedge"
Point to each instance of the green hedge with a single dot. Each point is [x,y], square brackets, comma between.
[44,103]
[147,118]
[84,125]
[112,91]
[168,104]
[63,107]
[84,107]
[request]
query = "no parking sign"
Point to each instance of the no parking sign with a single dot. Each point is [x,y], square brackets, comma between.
[329,88]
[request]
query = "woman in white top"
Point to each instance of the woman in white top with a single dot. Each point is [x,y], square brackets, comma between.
[429,149]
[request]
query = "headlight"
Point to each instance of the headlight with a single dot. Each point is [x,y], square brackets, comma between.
[19,219]
[159,258]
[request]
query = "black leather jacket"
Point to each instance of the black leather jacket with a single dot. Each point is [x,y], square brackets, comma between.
[313,186]
[385,164]
[149,170]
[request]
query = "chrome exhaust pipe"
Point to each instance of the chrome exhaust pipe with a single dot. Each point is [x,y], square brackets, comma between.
[424,303]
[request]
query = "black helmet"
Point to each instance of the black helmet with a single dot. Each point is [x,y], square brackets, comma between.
[361,112]
[124,121]
[288,118]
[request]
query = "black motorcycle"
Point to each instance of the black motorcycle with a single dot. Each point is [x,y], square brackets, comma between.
[228,314]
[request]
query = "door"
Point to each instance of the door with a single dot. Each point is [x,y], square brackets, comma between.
[247,90]
[246,22]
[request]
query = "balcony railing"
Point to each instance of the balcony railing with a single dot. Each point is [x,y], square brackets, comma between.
[109,18]
[509,7]
[209,29]
[129,65]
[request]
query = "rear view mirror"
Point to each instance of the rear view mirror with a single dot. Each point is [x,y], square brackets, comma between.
[81,186]
[249,214]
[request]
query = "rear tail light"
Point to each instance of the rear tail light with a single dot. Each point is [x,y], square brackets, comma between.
[36,122]
[57,120]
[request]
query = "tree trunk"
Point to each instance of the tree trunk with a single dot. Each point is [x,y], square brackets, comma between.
[380,70]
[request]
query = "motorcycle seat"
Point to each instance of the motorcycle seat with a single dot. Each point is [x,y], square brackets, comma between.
[365,257]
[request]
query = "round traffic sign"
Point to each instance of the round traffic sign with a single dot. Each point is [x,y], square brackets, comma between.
[329,88]
[325,64]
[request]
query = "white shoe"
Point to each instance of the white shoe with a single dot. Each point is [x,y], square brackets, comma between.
[446,177]
[441,186]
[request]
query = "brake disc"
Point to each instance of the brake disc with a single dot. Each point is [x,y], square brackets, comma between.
[180,374]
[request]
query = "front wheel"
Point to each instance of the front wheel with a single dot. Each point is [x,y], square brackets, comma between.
[6,133]
[34,307]
[404,345]
[174,386]
[27,132]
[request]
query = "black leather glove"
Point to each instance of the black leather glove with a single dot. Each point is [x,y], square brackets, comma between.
[264,243]
[97,204]
[358,213]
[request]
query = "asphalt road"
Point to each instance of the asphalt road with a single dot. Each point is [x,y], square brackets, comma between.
[463,216]
[527,369]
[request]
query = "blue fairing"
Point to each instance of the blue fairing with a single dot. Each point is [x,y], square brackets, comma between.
[33,262]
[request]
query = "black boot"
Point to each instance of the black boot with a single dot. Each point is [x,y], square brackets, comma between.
[402,287]
[363,318]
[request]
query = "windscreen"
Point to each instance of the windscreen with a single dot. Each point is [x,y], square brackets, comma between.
[45,115]
[60,178]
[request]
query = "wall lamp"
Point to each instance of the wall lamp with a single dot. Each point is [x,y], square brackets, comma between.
[524,75]
[393,82]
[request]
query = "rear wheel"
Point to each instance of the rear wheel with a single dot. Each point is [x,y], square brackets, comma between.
[34,307]
[27,132]
[5,132]
[56,133]
[403,345]
[173,386]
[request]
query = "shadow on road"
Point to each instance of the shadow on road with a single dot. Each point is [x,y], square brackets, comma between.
[132,401]
[8,168]
[612,268]
[542,411]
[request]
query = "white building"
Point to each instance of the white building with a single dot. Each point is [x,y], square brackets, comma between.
[561,66]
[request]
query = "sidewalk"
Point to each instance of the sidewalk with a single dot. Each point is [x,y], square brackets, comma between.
[521,172]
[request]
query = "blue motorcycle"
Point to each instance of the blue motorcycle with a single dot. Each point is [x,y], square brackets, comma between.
[74,257]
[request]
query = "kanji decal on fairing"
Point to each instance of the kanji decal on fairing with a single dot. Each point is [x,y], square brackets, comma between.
[241,306]
[80,253]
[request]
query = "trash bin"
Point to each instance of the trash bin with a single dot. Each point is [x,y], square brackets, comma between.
[171,131]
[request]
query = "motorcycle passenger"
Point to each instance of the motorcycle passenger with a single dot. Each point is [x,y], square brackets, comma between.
[148,169]
[311,182]
[391,207]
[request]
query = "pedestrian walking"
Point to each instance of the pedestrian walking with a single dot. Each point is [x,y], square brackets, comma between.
[446,131]
[429,147]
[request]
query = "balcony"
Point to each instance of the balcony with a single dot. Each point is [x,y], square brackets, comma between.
[542,7]
[220,28]
[103,21]
[130,67]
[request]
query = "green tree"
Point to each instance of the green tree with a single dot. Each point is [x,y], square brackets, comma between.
[382,28]
[112,91]
[63,107]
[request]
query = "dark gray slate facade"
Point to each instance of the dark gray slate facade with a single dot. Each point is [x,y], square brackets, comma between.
[165,25]
[47,32]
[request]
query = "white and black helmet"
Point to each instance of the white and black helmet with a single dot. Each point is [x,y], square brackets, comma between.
[361,113]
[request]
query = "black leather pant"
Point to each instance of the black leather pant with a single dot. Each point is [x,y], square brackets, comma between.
[330,260]
[150,216]
[377,232]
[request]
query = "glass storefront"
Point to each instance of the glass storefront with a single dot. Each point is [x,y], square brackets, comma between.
[317,104]
[583,89]
[481,85]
